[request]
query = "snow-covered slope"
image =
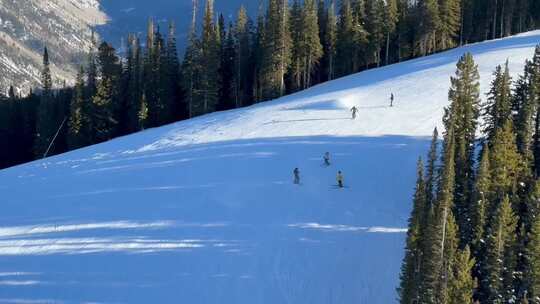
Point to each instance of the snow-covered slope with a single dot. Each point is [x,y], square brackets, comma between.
[26,26]
[204,211]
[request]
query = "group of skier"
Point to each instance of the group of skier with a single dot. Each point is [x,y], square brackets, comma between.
[326,160]
[326,156]
[354,109]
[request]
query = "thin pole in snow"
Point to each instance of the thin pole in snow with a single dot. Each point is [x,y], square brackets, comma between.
[55,136]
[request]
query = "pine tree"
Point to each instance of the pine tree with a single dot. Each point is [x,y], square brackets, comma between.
[462,115]
[209,62]
[534,94]
[498,108]
[441,233]
[296,69]
[463,284]
[105,101]
[91,75]
[311,48]
[351,40]
[242,46]
[276,49]
[524,106]
[481,203]
[390,19]
[500,256]
[226,72]
[190,66]
[505,163]
[533,262]
[411,267]
[426,38]
[431,172]
[45,121]
[450,21]
[322,16]
[133,77]
[330,41]
[174,104]
[375,28]
[79,134]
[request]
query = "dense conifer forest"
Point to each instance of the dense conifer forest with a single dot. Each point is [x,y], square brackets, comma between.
[226,65]
[474,232]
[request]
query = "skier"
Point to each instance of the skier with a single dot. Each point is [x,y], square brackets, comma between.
[340,179]
[391,99]
[296,173]
[326,159]
[354,109]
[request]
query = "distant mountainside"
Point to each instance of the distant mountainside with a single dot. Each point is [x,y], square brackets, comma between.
[64,26]
[131,16]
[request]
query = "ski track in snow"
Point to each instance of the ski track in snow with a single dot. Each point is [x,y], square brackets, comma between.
[205,210]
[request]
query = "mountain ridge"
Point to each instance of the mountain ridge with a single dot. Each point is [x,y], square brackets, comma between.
[63,26]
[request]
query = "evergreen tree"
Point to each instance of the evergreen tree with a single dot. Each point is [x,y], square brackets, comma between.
[450,21]
[311,48]
[191,67]
[133,83]
[426,37]
[499,105]
[462,284]
[322,16]
[500,256]
[330,41]
[79,132]
[351,40]
[209,63]
[91,70]
[174,104]
[390,19]
[411,266]
[481,203]
[375,28]
[431,174]
[226,72]
[533,262]
[462,115]
[296,69]
[46,123]
[276,49]
[242,52]
[505,163]
[259,56]
[524,105]
[441,233]
[106,99]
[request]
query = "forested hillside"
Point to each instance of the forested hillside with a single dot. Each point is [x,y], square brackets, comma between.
[474,233]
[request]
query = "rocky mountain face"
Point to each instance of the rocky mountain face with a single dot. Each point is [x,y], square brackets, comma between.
[26,26]
[65,27]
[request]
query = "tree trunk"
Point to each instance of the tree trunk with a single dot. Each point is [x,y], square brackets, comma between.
[494,34]
[387,48]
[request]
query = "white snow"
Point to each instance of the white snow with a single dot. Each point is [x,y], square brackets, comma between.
[204,211]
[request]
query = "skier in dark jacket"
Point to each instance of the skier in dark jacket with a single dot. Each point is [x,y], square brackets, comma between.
[391,99]
[296,174]
[354,110]
[326,159]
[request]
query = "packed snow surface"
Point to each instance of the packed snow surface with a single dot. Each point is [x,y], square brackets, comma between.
[205,211]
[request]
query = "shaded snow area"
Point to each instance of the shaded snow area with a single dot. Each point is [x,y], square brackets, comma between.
[205,211]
